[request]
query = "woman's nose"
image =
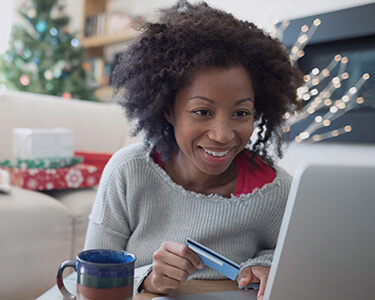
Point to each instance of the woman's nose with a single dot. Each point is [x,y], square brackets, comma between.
[221,131]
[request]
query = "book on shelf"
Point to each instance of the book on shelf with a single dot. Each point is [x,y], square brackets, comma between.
[107,24]
[97,71]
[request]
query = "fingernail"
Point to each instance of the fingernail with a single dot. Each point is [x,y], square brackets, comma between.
[201,265]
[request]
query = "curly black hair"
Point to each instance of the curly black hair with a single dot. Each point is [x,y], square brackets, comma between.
[186,38]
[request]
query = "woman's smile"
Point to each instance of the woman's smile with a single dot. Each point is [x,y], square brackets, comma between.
[217,156]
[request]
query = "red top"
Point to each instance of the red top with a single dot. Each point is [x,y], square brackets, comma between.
[250,176]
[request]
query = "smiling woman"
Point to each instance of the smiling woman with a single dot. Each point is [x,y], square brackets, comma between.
[196,82]
[5,23]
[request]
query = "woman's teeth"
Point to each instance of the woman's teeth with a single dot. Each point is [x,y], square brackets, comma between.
[216,154]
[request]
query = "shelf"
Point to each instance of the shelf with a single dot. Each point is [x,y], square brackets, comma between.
[105,40]
[97,16]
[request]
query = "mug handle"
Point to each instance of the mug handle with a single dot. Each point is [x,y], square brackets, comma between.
[59,278]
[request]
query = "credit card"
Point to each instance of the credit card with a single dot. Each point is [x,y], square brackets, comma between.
[214,260]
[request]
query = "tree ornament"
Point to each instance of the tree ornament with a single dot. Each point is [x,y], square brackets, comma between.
[31,13]
[53,31]
[57,73]
[18,45]
[24,80]
[27,54]
[41,26]
[74,42]
[48,75]
[67,96]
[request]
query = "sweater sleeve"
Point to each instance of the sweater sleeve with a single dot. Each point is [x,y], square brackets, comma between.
[109,221]
[262,258]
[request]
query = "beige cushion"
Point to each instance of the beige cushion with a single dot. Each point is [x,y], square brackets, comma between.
[36,237]
[79,202]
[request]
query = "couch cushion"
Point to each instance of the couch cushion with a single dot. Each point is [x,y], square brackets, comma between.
[79,202]
[36,236]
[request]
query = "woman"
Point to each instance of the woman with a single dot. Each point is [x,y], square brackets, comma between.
[195,83]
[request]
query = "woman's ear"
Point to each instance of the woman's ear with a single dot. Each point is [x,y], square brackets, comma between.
[168,115]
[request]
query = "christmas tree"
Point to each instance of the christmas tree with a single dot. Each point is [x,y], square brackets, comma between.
[43,57]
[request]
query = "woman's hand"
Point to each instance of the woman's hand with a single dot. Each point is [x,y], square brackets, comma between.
[173,263]
[255,274]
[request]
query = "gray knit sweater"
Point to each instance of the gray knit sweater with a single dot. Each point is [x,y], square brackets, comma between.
[138,207]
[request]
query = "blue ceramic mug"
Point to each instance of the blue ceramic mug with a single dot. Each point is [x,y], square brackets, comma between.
[101,274]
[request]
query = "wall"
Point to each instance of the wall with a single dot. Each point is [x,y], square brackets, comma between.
[263,13]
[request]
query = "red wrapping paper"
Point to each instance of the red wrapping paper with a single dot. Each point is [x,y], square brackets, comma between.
[78,176]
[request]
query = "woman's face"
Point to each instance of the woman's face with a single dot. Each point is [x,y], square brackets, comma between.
[213,119]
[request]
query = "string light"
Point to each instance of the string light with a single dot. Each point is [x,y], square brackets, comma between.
[333,109]
[315,97]
[345,98]
[304,28]
[326,72]
[353,90]
[304,135]
[317,22]
[360,100]
[328,102]
[316,138]
[345,60]
[305,35]
[338,57]
[345,75]
[315,81]
[315,71]
[306,97]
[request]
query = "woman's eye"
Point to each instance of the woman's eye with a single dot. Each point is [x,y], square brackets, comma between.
[202,112]
[241,113]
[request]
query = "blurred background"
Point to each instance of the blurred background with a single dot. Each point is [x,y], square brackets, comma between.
[68,48]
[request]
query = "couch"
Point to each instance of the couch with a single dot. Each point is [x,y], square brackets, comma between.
[39,230]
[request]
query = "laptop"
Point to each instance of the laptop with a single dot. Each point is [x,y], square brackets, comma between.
[326,245]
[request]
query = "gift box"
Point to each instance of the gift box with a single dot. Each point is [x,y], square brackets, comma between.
[78,176]
[4,181]
[42,163]
[35,143]
[98,159]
